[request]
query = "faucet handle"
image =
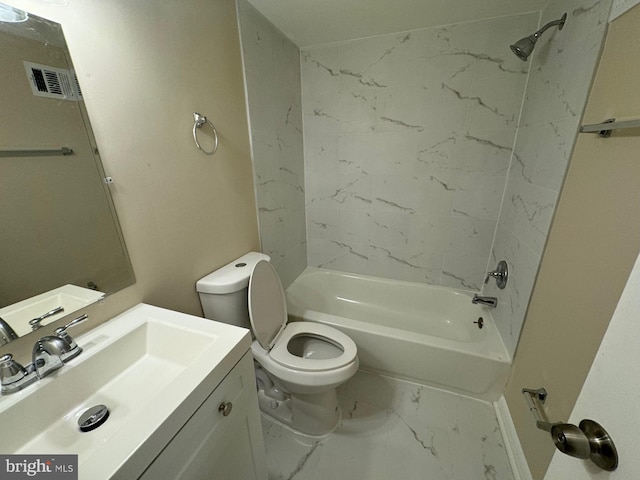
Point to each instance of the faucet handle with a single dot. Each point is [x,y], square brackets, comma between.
[36,323]
[73,322]
[10,370]
[72,349]
[13,376]
[501,274]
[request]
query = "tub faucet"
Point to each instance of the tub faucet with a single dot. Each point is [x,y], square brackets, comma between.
[491,302]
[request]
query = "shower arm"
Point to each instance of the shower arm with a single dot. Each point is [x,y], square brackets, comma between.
[559,22]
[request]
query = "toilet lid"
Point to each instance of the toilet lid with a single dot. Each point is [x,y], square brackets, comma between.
[267,305]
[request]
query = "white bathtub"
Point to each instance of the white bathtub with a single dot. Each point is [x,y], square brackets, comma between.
[407,330]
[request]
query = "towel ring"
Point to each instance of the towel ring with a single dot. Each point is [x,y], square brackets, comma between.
[199,121]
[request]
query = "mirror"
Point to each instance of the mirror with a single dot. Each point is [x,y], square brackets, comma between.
[58,225]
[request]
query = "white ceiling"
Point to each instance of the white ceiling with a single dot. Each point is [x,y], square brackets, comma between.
[317,22]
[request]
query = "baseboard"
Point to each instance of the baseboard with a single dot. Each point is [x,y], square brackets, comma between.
[512,443]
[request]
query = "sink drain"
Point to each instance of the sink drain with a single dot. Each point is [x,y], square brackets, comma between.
[93,417]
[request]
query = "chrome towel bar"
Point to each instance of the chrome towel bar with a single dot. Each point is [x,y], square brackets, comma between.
[36,153]
[605,128]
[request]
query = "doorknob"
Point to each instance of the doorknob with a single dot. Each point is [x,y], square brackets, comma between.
[225,408]
[588,440]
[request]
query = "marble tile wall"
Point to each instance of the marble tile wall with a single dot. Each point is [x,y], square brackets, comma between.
[562,67]
[272,75]
[407,143]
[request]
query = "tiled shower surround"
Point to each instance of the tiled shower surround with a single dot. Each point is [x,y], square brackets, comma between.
[408,139]
[408,170]
[562,67]
[272,71]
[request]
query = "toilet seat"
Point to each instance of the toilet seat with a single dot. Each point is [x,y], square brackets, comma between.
[268,315]
[280,351]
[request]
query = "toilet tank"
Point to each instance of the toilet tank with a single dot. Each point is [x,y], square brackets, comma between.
[224,293]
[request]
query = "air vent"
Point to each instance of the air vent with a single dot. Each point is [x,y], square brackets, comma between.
[53,82]
[76,84]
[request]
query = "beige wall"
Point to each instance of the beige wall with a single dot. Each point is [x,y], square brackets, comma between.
[592,247]
[144,67]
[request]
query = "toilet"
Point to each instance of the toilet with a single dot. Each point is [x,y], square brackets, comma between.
[298,364]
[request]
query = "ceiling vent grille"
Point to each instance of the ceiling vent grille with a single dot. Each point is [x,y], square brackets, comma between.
[53,82]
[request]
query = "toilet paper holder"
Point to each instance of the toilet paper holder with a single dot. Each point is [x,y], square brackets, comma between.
[588,440]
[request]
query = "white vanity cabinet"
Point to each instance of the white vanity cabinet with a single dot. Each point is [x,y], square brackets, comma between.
[223,438]
[163,376]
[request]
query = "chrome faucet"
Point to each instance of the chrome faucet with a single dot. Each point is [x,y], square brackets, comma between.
[53,351]
[491,302]
[49,354]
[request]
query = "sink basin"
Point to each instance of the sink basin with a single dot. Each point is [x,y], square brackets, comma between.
[151,367]
[69,297]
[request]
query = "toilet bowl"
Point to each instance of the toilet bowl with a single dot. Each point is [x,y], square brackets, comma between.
[298,364]
[309,357]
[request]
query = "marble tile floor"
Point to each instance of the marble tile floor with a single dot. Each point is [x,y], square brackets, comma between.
[392,429]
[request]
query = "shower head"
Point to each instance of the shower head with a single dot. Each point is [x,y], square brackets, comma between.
[523,47]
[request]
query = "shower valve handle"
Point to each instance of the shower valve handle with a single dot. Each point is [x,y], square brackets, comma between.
[501,274]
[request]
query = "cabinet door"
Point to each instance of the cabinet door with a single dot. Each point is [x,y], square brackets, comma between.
[212,446]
